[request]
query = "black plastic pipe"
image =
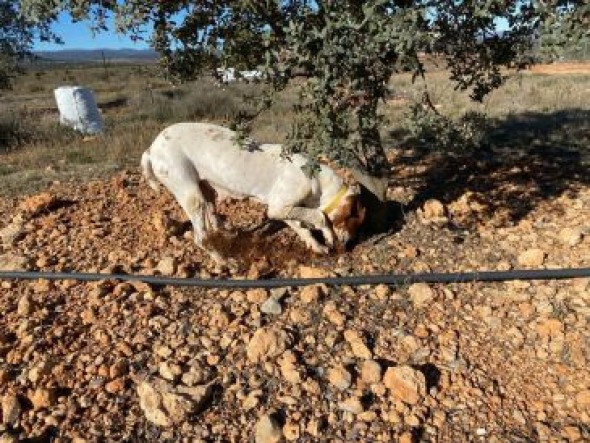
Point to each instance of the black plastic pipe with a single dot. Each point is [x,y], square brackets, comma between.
[387,279]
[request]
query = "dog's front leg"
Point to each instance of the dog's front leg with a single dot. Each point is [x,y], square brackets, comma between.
[311,217]
[315,218]
[307,237]
[328,234]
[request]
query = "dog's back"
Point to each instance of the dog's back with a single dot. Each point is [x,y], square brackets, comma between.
[186,155]
[215,155]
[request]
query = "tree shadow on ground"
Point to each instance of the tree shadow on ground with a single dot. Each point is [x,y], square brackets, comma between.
[525,159]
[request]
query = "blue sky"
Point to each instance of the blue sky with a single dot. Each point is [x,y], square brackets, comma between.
[79,36]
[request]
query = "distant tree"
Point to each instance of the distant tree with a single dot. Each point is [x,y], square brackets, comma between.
[17,35]
[347,49]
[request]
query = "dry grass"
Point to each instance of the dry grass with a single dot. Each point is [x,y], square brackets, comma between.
[137,104]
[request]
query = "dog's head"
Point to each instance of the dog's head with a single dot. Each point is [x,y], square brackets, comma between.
[347,215]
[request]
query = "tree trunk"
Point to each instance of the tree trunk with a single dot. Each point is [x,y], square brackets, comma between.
[374,197]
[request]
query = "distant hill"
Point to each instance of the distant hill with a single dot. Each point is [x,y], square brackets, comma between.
[96,55]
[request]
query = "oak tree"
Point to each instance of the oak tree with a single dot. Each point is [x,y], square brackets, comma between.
[347,50]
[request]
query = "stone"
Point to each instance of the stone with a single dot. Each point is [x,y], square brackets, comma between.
[88,316]
[405,384]
[167,266]
[169,371]
[314,428]
[150,402]
[572,433]
[339,377]
[11,409]
[333,315]
[271,306]
[42,286]
[371,372]
[411,251]
[36,204]
[252,400]
[199,395]
[313,272]
[279,293]
[4,374]
[39,371]
[291,431]
[267,430]
[13,262]
[421,295]
[359,348]
[266,344]
[11,233]
[433,211]
[300,317]
[163,351]
[531,258]
[25,306]
[165,225]
[352,405]
[288,367]
[165,406]
[571,236]
[549,328]
[382,292]
[43,398]
[257,296]
[310,294]
[583,400]
[115,386]
[193,377]
[178,407]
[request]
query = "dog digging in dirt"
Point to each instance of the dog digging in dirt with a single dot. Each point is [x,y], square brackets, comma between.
[187,157]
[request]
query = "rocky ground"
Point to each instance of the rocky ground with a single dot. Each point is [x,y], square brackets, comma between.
[111,361]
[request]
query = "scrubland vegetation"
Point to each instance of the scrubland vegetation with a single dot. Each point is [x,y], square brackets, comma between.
[136,104]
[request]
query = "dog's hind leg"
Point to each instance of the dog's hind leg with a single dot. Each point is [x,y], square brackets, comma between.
[184,185]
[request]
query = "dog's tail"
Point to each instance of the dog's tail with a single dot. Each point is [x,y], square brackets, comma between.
[148,172]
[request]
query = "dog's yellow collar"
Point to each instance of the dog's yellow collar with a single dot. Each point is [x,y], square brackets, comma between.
[336,200]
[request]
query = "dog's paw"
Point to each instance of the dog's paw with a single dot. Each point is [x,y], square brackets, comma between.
[224,264]
[232,265]
[320,249]
[328,237]
[217,257]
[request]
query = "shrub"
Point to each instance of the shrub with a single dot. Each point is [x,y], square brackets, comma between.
[436,131]
[14,132]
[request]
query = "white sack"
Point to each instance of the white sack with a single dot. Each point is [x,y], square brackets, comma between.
[78,109]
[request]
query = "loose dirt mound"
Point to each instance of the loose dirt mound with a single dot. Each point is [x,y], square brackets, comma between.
[117,361]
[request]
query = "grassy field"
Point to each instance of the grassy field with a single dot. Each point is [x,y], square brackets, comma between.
[545,107]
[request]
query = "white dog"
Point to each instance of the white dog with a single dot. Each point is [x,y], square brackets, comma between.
[185,155]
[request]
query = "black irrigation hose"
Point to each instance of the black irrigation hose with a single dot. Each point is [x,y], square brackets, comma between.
[388,279]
